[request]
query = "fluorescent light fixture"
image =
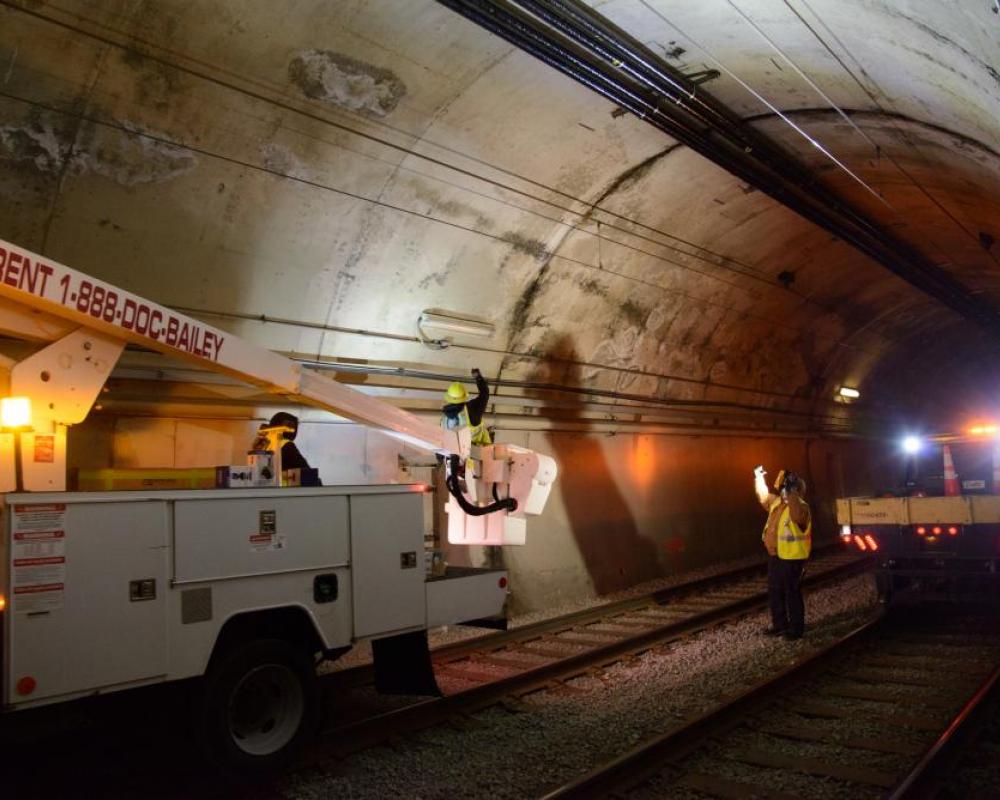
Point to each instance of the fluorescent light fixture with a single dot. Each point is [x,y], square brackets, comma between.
[847,391]
[911,444]
[15,412]
[454,324]
[451,324]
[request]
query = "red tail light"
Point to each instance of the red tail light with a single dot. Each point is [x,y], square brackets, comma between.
[860,543]
[921,530]
[936,530]
[953,531]
[871,542]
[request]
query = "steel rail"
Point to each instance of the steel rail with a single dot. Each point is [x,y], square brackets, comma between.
[648,758]
[373,730]
[920,781]
[666,753]
[362,674]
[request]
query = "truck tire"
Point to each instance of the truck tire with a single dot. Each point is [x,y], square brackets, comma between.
[259,703]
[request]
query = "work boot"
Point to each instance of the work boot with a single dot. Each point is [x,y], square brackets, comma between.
[792,635]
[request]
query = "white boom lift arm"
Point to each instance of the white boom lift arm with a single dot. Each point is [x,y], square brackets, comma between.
[493,489]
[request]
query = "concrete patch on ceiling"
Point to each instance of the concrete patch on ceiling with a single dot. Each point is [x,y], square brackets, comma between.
[346,82]
[35,144]
[282,160]
[130,157]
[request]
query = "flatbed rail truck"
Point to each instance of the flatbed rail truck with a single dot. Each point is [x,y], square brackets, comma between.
[928,542]
[243,589]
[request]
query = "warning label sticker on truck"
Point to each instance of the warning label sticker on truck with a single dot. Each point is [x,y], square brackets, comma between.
[38,557]
[266,542]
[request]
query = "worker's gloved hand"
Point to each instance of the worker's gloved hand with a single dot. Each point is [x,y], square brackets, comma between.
[475,372]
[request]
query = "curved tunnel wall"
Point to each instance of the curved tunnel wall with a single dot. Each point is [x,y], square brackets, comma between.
[341,166]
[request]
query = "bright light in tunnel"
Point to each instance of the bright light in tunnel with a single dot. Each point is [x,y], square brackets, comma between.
[983,430]
[911,444]
[847,391]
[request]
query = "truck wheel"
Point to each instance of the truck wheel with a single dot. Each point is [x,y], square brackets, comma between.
[259,703]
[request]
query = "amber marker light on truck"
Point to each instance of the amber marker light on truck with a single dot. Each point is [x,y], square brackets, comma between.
[983,430]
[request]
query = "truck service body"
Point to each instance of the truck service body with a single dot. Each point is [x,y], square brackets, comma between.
[242,588]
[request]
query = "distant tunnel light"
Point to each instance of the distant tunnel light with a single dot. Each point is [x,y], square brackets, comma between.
[871,542]
[911,444]
[15,412]
[848,392]
[983,430]
[845,532]
[860,542]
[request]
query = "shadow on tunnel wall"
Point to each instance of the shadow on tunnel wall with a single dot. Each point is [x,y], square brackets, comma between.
[602,523]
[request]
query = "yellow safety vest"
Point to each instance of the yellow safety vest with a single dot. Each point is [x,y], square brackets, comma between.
[480,436]
[794,544]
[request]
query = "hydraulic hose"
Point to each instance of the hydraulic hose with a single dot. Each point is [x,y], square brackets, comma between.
[451,481]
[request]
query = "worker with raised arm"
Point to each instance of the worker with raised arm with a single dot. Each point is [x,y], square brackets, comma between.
[461,412]
[788,539]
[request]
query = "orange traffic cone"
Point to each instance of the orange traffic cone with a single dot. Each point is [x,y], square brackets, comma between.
[996,469]
[951,487]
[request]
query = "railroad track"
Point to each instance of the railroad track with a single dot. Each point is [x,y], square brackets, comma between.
[501,668]
[740,583]
[872,715]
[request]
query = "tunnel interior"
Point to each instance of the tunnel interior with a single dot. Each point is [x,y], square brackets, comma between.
[315,177]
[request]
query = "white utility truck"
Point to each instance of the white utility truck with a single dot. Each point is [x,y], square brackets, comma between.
[245,588]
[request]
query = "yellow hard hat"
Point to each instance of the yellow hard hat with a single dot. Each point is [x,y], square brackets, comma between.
[456,393]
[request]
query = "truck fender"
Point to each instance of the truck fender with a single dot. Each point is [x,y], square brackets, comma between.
[293,623]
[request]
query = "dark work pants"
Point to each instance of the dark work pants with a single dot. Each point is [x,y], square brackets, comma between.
[788,612]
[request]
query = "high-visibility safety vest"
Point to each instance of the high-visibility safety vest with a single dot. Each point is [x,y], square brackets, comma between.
[794,544]
[480,436]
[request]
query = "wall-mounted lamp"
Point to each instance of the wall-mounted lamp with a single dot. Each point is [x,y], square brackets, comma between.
[849,393]
[445,323]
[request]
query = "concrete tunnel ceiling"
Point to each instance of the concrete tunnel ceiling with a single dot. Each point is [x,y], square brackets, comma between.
[337,167]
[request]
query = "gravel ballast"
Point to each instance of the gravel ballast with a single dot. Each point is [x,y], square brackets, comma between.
[560,735]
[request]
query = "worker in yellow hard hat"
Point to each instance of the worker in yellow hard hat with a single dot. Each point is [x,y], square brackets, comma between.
[460,412]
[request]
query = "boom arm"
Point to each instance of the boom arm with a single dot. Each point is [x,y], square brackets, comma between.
[90,321]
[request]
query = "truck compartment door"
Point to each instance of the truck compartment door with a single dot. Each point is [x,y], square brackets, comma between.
[88,609]
[387,557]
